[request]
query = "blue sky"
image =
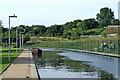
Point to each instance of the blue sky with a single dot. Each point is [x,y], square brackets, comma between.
[50,12]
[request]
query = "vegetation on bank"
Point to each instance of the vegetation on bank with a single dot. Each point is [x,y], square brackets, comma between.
[5,57]
[88,44]
[104,46]
[36,39]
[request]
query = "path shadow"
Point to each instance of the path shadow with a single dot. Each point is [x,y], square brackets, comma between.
[19,60]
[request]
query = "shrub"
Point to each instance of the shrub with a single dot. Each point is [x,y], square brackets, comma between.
[104,34]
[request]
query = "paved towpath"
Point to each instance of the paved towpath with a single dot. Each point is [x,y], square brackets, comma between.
[22,68]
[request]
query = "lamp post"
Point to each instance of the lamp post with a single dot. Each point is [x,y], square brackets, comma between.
[22,41]
[17,39]
[9,32]
[16,42]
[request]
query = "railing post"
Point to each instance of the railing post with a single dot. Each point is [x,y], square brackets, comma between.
[98,46]
[91,45]
[102,46]
[118,46]
[82,45]
[110,46]
[87,45]
[59,44]
[79,46]
[107,46]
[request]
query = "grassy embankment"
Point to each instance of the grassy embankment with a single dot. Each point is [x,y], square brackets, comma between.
[88,44]
[5,54]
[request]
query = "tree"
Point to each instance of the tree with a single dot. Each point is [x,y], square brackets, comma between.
[79,24]
[67,34]
[55,30]
[38,29]
[1,23]
[27,37]
[21,28]
[49,31]
[30,30]
[74,34]
[105,17]
[1,27]
[116,22]
[6,34]
[89,24]
[69,25]
[13,32]
[4,29]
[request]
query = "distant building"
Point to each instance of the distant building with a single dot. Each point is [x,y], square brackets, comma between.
[114,26]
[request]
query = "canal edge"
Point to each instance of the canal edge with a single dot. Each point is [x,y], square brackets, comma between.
[97,53]
[35,66]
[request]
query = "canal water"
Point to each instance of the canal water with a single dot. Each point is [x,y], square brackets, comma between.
[69,64]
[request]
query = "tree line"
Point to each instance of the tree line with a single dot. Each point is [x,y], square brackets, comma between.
[70,30]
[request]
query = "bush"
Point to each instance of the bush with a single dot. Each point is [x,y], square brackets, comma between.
[27,37]
[104,34]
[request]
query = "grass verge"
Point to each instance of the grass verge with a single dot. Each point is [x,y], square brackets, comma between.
[5,57]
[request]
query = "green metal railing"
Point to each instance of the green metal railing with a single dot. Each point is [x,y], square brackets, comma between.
[105,46]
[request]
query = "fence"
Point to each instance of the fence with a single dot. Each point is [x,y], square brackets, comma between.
[105,46]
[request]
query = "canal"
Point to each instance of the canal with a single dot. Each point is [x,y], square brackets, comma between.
[69,64]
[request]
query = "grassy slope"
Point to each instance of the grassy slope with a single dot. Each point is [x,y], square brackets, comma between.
[5,55]
[112,30]
[89,44]
[97,31]
[43,39]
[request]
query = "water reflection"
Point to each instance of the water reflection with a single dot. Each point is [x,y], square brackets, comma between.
[109,64]
[53,65]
